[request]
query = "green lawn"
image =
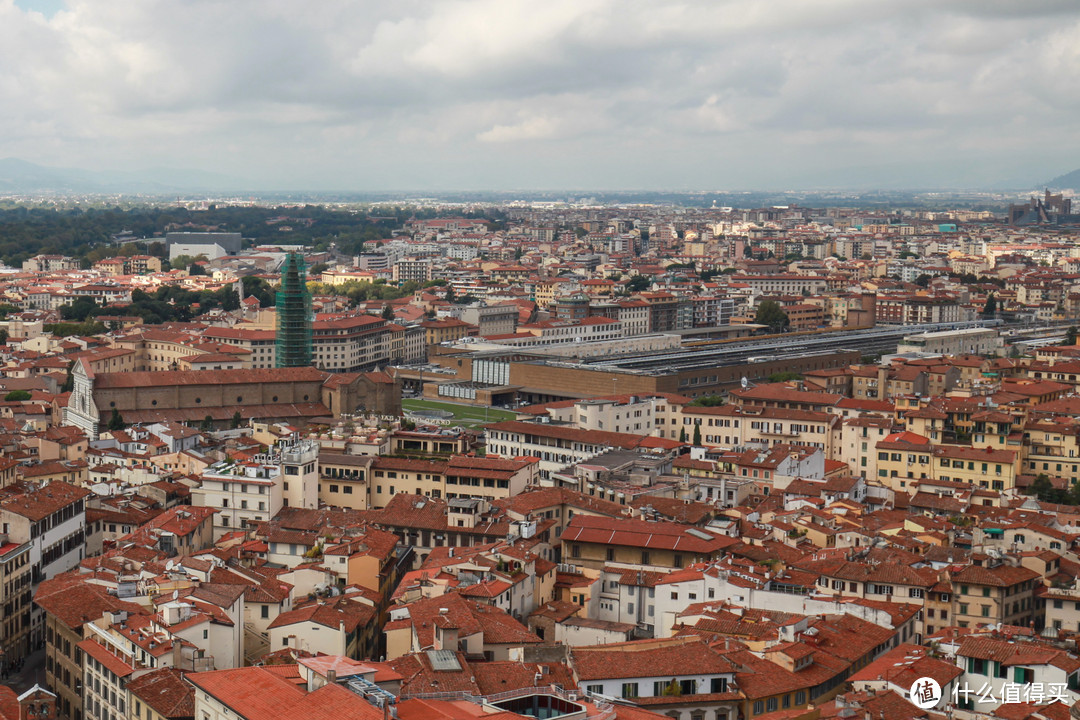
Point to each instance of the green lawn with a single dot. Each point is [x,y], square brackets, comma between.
[469,415]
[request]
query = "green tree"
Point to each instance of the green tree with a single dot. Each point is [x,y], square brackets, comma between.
[682,435]
[181,261]
[1043,489]
[923,280]
[697,434]
[387,312]
[3,336]
[17,396]
[69,379]
[708,401]
[450,294]
[196,269]
[1072,497]
[116,421]
[236,421]
[784,377]
[207,424]
[80,309]
[638,283]
[1070,336]
[770,313]
[990,308]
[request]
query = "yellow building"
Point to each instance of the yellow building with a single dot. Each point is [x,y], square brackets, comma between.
[978,467]
[991,595]
[902,459]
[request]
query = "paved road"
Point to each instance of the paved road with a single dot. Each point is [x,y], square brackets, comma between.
[33,671]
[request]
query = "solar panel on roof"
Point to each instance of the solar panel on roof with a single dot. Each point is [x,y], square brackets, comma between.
[700,534]
[445,660]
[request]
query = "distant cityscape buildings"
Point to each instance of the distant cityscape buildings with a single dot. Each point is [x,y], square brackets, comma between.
[1050,209]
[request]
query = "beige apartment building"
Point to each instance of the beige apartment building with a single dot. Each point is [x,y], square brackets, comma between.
[994,594]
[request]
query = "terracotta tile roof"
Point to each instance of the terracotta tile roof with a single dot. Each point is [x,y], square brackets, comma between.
[74,602]
[647,658]
[1000,576]
[38,504]
[331,613]
[207,377]
[112,662]
[641,533]
[166,692]
[541,498]
[264,693]
[468,616]
[906,663]
[1012,653]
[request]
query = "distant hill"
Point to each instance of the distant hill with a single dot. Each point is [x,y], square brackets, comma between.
[1069,180]
[21,177]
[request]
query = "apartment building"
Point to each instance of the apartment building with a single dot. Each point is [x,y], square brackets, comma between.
[557,446]
[994,593]
[594,542]
[16,599]
[246,493]
[51,519]
[259,344]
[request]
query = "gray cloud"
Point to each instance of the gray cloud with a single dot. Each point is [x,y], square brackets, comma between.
[570,93]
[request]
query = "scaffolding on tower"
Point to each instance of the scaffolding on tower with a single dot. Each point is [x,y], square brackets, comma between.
[293,337]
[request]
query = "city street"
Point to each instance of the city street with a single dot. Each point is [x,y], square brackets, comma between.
[33,671]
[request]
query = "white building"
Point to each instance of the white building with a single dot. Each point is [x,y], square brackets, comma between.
[252,492]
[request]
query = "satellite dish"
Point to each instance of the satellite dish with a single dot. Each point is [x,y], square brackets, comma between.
[175,594]
[169,566]
[744,382]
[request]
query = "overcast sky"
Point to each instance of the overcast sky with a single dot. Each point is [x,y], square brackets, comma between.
[505,94]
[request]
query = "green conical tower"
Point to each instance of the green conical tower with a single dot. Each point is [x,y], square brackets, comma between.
[293,315]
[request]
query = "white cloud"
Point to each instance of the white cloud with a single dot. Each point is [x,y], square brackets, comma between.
[493,93]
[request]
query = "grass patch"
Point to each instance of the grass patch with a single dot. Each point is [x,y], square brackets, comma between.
[469,415]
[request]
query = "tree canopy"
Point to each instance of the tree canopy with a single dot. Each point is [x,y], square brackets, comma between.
[771,314]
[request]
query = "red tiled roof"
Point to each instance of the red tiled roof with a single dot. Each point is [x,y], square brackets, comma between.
[648,658]
[207,377]
[642,533]
[112,663]
[265,693]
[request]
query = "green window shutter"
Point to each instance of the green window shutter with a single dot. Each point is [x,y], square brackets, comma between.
[1018,675]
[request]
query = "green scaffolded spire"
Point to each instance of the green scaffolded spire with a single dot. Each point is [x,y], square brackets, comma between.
[293,315]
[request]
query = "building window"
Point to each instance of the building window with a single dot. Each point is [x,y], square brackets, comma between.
[629,690]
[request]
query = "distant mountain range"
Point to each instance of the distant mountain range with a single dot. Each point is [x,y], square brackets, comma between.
[1069,181]
[20,177]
